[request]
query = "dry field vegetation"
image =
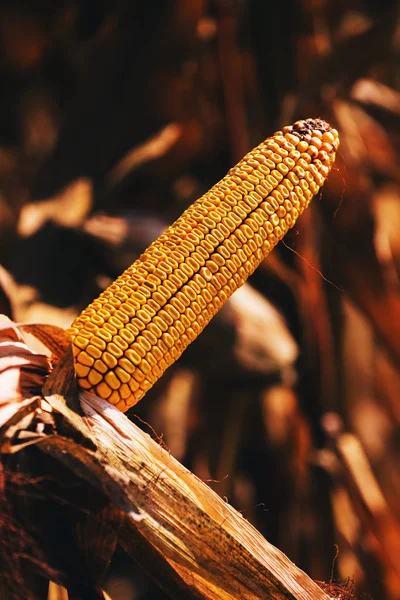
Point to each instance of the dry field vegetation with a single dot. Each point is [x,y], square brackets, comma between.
[114,117]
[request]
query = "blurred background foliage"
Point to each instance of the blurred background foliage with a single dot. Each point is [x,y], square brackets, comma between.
[114,116]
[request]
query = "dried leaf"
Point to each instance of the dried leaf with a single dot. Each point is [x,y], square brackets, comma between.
[22,371]
[69,208]
[263,342]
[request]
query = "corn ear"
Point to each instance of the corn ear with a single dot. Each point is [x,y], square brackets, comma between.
[135,329]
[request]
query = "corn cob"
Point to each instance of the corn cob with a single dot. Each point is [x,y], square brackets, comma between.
[142,323]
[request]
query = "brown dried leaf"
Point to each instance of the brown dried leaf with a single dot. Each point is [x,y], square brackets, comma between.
[386,209]
[136,231]
[69,208]
[57,592]
[27,307]
[22,371]
[149,150]
[187,523]
[54,338]
[371,92]
[365,142]
[263,343]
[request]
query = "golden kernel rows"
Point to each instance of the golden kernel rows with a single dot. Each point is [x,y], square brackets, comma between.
[141,324]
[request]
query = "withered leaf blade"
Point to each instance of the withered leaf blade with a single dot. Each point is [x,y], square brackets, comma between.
[186,523]
[54,338]
[22,371]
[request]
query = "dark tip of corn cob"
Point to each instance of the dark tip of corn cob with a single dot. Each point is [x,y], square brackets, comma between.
[142,323]
[305,129]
